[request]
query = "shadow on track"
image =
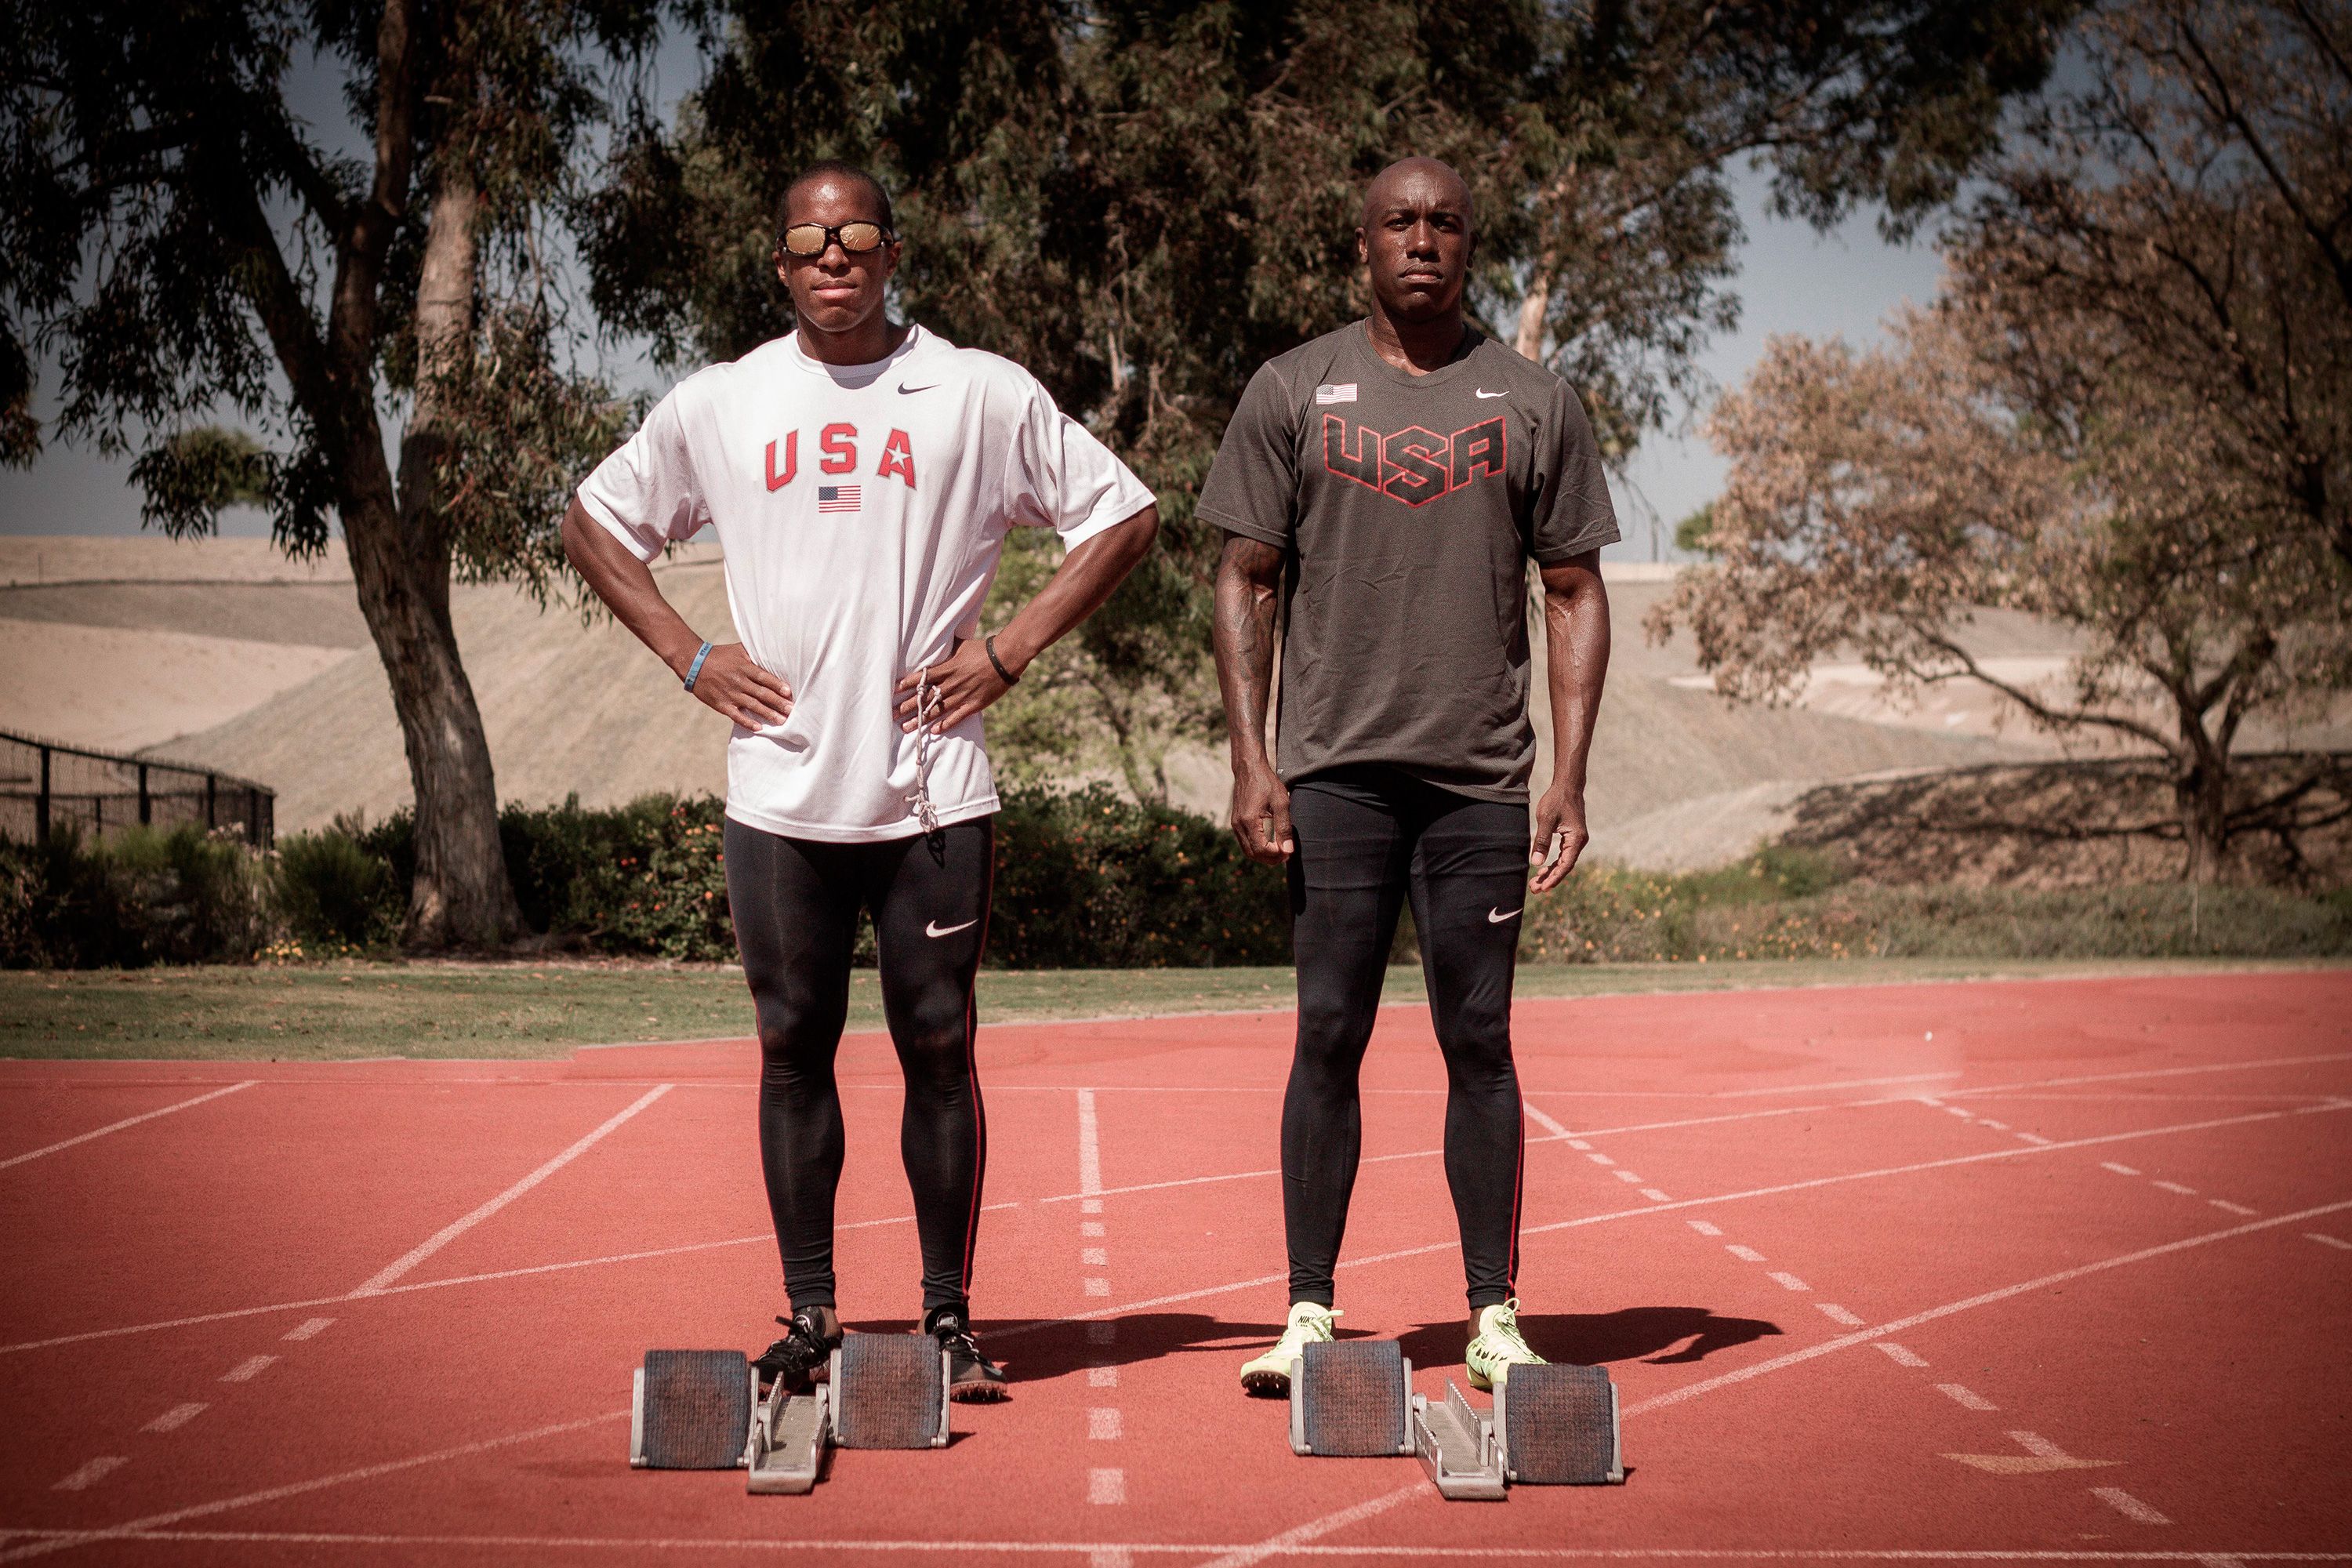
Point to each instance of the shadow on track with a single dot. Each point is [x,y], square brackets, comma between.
[1593,1339]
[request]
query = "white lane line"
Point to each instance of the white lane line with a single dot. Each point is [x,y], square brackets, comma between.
[1102,1377]
[2130,1507]
[2155,1072]
[1806,1186]
[1103,1333]
[2031,1138]
[1842,1083]
[1967,1304]
[1962,1111]
[2325,1240]
[1624,1176]
[455,1229]
[177,1416]
[1965,1397]
[1090,1227]
[1989,1121]
[1578,1144]
[1656,1197]
[1601,1159]
[1095,1286]
[64,1539]
[2042,1448]
[309,1328]
[1901,1355]
[1313,1528]
[1544,1119]
[1120,1557]
[2118,1170]
[1704,1228]
[2226,1206]
[2176,1187]
[782,1544]
[1103,1423]
[1786,1281]
[1089,1146]
[1100,1256]
[1837,1314]
[249,1369]
[1745,1254]
[1088,1205]
[119,1126]
[1106,1486]
[92,1473]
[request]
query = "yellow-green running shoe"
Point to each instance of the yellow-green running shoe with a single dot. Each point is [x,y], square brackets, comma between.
[1495,1346]
[1269,1374]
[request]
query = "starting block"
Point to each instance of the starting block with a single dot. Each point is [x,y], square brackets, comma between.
[1550,1425]
[700,1410]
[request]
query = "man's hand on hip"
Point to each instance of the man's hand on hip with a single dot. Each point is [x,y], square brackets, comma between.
[966,683]
[1559,825]
[741,689]
[1262,816]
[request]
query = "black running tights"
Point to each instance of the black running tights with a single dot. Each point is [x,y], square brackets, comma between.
[795,903]
[1369,840]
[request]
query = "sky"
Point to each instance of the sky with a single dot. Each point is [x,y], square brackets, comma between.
[1791,280]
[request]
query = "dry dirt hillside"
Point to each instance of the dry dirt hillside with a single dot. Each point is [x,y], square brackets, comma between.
[199,652]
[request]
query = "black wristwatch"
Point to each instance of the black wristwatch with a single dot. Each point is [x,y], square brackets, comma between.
[989,644]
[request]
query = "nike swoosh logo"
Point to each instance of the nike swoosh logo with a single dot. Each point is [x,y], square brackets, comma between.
[1497,917]
[904,387]
[1482,391]
[933,928]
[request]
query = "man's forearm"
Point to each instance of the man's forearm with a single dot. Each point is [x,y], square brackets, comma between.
[1576,649]
[1248,574]
[627,585]
[1086,576]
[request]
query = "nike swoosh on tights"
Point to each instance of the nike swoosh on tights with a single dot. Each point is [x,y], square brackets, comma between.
[1484,392]
[933,928]
[1497,917]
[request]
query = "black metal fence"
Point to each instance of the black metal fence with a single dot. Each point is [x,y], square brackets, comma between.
[44,787]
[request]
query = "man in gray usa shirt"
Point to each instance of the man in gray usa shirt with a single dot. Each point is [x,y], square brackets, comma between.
[1382,489]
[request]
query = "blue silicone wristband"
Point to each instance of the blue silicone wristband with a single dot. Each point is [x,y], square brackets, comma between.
[694,670]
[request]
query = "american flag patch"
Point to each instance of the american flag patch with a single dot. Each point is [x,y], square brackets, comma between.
[837,497]
[1343,392]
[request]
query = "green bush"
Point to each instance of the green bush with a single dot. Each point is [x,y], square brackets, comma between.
[1088,879]
[331,893]
[132,898]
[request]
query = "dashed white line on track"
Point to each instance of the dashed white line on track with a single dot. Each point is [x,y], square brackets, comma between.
[1601,1159]
[1103,1423]
[1745,1254]
[2130,1507]
[119,1126]
[1094,1257]
[1102,1377]
[1106,1486]
[1627,1176]
[249,1369]
[1900,1355]
[1090,1227]
[2228,1206]
[90,1474]
[2034,1138]
[1105,1332]
[177,1416]
[1544,1119]
[1786,1282]
[309,1328]
[1837,1314]
[1656,1197]
[1965,1397]
[2118,1170]
[1097,1285]
[1089,1144]
[2325,1240]
[2176,1187]
[1704,1228]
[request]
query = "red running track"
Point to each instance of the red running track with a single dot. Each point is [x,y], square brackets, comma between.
[2055,1269]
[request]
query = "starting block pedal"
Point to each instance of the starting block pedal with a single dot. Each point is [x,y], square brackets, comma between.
[692,1410]
[889,1391]
[1348,1399]
[1556,1425]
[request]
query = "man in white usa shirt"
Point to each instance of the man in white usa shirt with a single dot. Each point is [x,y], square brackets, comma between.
[861,475]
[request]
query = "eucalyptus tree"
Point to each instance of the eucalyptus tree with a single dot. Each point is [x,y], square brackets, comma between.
[363,283]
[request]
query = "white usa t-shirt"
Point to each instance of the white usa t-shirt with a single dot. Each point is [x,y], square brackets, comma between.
[861,510]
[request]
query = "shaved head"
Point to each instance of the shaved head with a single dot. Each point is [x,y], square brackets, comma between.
[1415,182]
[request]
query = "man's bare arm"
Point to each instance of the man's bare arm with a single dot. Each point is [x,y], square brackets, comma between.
[967,681]
[1249,582]
[730,682]
[1576,650]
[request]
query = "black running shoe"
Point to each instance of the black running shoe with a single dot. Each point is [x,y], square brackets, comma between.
[971,1376]
[811,1336]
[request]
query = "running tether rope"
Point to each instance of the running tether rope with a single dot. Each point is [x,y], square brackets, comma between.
[929,704]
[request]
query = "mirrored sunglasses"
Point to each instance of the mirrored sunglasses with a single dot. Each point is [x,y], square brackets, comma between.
[811,239]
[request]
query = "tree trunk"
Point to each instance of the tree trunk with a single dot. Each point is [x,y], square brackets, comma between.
[2201,797]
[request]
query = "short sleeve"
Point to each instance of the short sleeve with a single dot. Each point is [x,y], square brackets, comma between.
[645,494]
[1571,512]
[1061,477]
[1252,487]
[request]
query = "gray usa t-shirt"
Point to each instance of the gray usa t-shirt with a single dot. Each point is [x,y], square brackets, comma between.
[1409,506]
